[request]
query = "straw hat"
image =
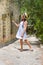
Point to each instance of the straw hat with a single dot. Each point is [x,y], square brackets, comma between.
[25,14]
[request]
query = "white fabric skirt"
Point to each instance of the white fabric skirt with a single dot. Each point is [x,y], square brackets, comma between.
[19,36]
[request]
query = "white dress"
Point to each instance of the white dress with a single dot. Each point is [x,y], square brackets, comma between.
[20,31]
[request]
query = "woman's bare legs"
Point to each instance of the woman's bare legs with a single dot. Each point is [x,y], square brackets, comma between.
[21,44]
[27,42]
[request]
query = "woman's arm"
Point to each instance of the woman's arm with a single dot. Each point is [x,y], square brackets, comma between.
[17,25]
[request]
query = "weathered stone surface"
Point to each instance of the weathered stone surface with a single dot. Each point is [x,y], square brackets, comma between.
[8,9]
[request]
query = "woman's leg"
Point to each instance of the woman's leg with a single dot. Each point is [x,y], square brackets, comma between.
[26,41]
[21,44]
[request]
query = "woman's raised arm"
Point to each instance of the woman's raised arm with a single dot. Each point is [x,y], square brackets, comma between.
[17,25]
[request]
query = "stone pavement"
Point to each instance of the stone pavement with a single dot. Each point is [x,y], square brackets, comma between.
[11,55]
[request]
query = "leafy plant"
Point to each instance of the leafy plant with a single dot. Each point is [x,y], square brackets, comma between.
[35,10]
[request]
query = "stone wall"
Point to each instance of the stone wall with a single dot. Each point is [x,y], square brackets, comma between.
[8,9]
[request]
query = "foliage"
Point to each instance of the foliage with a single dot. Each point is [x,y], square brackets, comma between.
[35,10]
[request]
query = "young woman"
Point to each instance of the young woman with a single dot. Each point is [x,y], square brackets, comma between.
[21,33]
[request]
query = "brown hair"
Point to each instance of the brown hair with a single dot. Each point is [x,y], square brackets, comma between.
[23,17]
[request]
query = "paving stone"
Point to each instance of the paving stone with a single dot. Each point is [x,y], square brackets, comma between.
[11,55]
[2,63]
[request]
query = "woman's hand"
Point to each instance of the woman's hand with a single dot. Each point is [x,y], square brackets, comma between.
[17,25]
